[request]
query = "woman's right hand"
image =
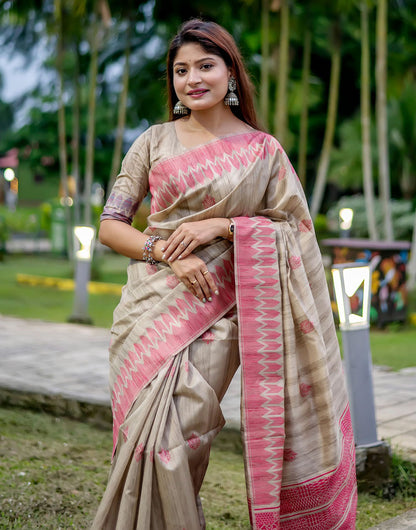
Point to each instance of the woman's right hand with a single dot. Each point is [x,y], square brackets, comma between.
[192,271]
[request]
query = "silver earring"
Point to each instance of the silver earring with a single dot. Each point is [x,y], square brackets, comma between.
[180,108]
[231,98]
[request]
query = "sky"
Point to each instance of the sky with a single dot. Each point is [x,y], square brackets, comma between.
[18,77]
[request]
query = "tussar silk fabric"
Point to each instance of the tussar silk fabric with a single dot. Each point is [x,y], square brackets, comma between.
[172,357]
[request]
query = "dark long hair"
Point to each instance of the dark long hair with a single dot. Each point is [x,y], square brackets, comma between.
[216,40]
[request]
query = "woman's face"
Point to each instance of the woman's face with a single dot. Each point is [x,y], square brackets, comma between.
[200,78]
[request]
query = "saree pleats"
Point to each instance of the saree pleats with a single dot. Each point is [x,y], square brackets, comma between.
[164,444]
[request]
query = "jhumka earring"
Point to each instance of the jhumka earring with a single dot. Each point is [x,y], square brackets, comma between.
[231,98]
[180,108]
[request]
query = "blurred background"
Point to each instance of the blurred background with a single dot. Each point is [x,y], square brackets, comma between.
[335,82]
[80,79]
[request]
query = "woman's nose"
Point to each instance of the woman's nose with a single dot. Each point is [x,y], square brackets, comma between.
[194,76]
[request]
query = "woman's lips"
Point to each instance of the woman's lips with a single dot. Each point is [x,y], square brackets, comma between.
[197,93]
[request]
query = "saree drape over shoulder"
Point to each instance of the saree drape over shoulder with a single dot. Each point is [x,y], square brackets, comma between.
[172,357]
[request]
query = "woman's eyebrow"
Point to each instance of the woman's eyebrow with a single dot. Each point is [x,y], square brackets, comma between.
[198,61]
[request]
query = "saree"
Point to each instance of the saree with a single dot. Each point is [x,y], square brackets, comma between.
[172,357]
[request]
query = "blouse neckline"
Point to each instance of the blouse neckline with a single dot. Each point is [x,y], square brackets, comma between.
[216,139]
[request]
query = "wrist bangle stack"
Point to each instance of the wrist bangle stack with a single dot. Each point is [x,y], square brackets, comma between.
[148,249]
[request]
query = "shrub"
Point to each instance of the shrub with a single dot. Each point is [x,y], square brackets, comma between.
[402,214]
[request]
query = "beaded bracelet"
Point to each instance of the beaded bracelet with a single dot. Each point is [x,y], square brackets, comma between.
[148,249]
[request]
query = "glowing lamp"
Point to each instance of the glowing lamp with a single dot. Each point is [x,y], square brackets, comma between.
[83,240]
[345,218]
[8,174]
[84,237]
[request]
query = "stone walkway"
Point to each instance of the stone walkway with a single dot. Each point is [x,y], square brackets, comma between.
[64,367]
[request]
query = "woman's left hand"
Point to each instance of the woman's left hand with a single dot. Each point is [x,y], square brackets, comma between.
[184,240]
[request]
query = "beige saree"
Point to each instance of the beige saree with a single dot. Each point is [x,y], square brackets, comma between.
[172,357]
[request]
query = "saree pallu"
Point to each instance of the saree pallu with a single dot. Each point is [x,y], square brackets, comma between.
[172,357]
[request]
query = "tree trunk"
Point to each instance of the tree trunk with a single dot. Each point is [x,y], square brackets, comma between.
[381,114]
[303,136]
[89,160]
[101,7]
[366,123]
[76,137]
[121,119]
[408,179]
[264,73]
[330,121]
[63,158]
[280,122]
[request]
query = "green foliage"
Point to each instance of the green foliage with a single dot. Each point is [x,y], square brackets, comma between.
[23,220]
[346,160]
[402,213]
[25,24]
[402,119]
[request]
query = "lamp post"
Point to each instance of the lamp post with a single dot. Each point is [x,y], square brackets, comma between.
[84,237]
[12,188]
[352,285]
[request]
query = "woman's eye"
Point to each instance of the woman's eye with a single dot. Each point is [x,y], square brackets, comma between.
[180,71]
[206,66]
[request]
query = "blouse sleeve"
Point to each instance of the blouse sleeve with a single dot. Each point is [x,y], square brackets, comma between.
[132,183]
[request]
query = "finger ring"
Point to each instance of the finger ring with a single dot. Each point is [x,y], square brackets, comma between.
[193,282]
[183,243]
[205,272]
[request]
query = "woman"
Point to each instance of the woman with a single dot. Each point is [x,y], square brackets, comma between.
[228,270]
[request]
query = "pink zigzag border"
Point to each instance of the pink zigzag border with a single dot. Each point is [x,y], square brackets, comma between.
[184,319]
[316,503]
[172,178]
[258,301]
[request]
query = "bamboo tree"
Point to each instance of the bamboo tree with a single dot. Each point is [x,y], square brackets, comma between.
[122,110]
[280,122]
[265,58]
[366,123]
[97,27]
[63,156]
[330,120]
[89,155]
[381,114]
[303,135]
[76,109]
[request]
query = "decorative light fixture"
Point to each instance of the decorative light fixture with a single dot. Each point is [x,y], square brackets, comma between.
[9,174]
[346,216]
[84,238]
[352,286]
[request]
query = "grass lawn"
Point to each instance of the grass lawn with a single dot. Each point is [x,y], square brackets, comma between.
[47,303]
[53,472]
